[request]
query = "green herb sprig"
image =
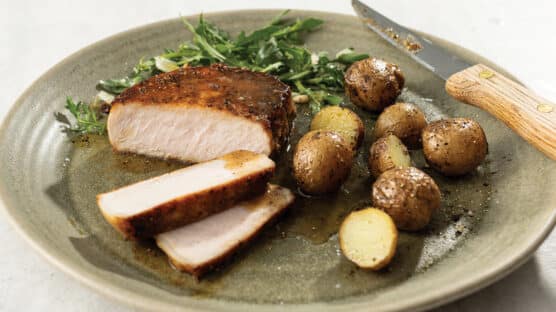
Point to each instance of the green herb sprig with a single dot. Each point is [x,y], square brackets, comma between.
[88,119]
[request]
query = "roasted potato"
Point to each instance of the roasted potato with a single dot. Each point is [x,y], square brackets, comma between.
[454,146]
[408,195]
[405,121]
[368,238]
[343,121]
[388,153]
[321,162]
[373,83]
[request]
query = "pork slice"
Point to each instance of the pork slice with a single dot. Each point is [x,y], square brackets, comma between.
[198,247]
[200,113]
[186,195]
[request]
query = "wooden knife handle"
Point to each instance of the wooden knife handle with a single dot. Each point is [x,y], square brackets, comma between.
[529,115]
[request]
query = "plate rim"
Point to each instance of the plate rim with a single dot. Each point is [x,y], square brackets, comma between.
[124,295]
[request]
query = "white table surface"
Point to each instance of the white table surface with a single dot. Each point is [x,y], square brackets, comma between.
[34,35]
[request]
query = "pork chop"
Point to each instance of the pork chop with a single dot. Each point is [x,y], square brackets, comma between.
[197,247]
[200,113]
[169,201]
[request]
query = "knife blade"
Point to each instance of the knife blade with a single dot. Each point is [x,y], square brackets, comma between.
[421,49]
[526,113]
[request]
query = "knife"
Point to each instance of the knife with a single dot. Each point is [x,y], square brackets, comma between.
[526,113]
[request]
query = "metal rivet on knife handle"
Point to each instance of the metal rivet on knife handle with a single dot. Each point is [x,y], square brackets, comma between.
[486,74]
[545,108]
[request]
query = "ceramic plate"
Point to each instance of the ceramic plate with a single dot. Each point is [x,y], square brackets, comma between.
[490,221]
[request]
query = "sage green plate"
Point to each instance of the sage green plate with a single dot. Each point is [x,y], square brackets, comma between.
[490,221]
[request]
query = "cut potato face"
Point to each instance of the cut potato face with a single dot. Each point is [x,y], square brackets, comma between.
[343,121]
[368,238]
[388,153]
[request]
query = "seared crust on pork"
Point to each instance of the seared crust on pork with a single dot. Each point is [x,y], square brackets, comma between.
[235,92]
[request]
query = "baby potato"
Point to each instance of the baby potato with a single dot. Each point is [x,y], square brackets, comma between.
[454,146]
[368,238]
[373,84]
[408,195]
[321,162]
[405,121]
[343,121]
[388,153]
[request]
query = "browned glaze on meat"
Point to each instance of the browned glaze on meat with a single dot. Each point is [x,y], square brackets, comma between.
[234,161]
[257,96]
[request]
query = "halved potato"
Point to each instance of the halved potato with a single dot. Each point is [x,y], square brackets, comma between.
[388,153]
[343,121]
[368,238]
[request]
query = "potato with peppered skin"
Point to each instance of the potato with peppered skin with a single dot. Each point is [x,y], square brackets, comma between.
[454,146]
[343,121]
[408,195]
[321,162]
[405,121]
[388,153]
[373,83]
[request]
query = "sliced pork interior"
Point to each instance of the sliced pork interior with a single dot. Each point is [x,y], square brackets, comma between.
[186,195]
[200,113]
[197,247]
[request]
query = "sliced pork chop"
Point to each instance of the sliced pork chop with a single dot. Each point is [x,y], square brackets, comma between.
[186,195]
[197,247]
[200,113]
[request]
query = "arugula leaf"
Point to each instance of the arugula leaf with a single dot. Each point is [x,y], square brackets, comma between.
[272,67]
[117,86]
[300,25]
[258,35]
[333,99]
[278,18]
[202,42]
[347,56]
